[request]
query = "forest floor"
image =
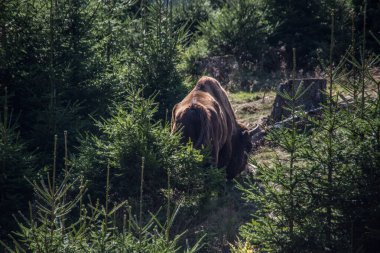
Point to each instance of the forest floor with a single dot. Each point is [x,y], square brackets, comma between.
[250,107]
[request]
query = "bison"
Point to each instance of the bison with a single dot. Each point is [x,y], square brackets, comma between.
[205,116]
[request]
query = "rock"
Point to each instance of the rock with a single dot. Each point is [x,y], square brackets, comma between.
[223,68]
[311,99]
[258,133]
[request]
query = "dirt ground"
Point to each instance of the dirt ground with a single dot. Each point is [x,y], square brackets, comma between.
[250,107]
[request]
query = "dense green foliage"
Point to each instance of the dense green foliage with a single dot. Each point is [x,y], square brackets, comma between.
[15,164]
[107,74]
[324,194]
[238,28]
[49,227]
[131,134]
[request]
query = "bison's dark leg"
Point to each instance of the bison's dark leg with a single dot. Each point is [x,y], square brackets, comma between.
[237,158]
[225,155]
[215,153]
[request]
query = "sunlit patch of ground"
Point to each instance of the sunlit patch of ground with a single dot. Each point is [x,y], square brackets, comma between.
[250,107]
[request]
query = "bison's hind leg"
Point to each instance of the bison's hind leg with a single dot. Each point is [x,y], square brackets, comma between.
[225,155]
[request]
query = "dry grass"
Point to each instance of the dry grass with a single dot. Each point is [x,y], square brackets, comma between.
[250,107]
[265,155]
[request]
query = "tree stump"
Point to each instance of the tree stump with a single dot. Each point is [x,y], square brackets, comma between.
[311,99]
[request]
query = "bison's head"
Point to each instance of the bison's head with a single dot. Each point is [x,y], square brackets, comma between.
[241,147]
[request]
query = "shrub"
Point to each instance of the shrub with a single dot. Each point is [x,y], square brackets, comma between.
[238,28]
[130,134]
[190,55]
[191,14]
[323,196]
[48,228]
[15,164]
[153,56]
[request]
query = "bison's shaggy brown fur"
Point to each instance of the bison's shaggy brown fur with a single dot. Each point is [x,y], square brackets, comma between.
[205,116]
